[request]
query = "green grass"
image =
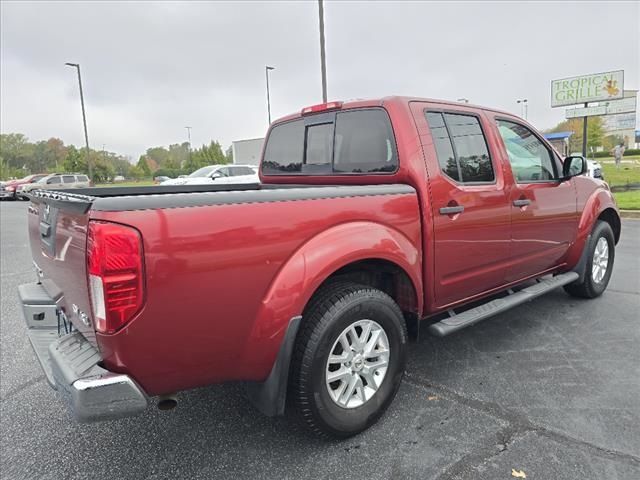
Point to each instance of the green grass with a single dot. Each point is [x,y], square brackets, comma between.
[627,173]
[629,200]
[141,183]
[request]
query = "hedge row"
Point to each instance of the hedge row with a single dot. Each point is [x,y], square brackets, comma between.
[607,153]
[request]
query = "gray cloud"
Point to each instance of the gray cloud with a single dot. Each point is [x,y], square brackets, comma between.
[149,68]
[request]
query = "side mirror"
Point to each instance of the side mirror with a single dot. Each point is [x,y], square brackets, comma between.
[215,175]
[574,166]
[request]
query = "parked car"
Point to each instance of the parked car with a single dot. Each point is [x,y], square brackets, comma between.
[55,181]
[218,174]
[373,219]
[8,188]
[160,178]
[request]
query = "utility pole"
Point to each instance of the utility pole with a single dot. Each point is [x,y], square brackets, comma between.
[266,71]
[189,147]
[84,118]
[323,60]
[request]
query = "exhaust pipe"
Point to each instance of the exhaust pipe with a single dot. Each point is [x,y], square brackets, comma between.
[167,402]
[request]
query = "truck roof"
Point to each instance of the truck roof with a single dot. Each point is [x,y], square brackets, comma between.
[397,99]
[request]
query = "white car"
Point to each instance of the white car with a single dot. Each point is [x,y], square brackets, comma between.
[218,174]
[594,169]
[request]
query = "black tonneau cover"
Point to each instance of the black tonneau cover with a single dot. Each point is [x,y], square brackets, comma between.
[177,196]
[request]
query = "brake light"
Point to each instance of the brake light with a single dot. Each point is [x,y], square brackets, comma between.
[321,107]
[115,270]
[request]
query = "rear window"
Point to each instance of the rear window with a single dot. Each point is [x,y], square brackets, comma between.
[358,141]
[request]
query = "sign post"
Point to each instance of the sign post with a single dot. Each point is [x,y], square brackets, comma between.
[584,134]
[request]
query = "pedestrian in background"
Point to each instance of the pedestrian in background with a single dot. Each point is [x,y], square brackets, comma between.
[618,152]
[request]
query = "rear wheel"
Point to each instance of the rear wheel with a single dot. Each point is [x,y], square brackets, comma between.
[600,256]
[349,359]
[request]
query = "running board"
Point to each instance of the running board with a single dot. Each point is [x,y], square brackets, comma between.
[459,321]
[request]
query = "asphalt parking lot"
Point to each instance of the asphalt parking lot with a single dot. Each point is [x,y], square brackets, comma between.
[551,389]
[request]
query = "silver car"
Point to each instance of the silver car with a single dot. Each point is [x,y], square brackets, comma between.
[56,181]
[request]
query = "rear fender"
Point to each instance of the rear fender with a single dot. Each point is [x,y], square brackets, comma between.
[311,265]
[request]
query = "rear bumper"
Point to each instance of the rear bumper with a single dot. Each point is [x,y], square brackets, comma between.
[7,194]
[71,363]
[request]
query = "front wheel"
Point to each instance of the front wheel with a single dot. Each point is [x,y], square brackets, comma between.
[600,256]
[349,359]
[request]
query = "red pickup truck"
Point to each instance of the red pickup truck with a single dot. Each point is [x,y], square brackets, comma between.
[373,219]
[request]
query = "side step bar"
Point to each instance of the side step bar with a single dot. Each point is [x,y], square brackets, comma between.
[459,321]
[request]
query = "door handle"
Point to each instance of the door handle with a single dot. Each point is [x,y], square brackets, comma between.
[451,210]
[523,202]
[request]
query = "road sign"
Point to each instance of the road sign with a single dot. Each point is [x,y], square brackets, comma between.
[613,107]
[624,121]
[587,88]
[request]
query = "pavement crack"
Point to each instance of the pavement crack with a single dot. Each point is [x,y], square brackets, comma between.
[14,391]
[517,425]
[622,291]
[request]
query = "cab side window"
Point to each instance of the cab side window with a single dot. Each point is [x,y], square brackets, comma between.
[53,180]
[531,161]
[461,147]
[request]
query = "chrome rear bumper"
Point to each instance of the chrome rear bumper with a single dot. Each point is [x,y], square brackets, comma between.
[71,363]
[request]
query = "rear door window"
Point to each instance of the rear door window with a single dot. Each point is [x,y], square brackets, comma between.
[69,179]
[349,142]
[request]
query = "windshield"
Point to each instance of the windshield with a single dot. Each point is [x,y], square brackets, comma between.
[202,172]
[42,180]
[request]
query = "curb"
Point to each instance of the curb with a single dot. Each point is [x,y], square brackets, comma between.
[630,213]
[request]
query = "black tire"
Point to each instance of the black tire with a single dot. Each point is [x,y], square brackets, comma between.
[589,288]
[330,312]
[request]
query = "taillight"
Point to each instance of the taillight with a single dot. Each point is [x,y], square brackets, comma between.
[115,270]
[321,107]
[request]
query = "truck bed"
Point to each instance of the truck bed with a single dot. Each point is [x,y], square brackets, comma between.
[208,288]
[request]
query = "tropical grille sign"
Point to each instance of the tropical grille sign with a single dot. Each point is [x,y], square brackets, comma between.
[596,87]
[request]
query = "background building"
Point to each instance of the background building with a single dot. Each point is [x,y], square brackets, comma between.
[247,152]
[560,141]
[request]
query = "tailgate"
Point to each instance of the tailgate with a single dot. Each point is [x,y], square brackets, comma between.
[58,224]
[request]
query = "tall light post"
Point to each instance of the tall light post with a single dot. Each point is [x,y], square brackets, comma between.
[323,60]
[524,108]
[189,139]
[84,118]
[266,72]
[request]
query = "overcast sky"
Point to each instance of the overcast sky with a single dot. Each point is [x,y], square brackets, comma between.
[150,69]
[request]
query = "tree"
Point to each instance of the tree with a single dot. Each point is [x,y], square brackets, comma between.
[74,161]
[143,165]
[595,132]
[229,154]
[136,172]
[211,154]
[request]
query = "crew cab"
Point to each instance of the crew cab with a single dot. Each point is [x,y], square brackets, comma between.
[373,220]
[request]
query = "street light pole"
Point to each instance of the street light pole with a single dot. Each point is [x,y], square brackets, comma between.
[266,72]
[189,139]
[84,118]
[323,60]
[524,108]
